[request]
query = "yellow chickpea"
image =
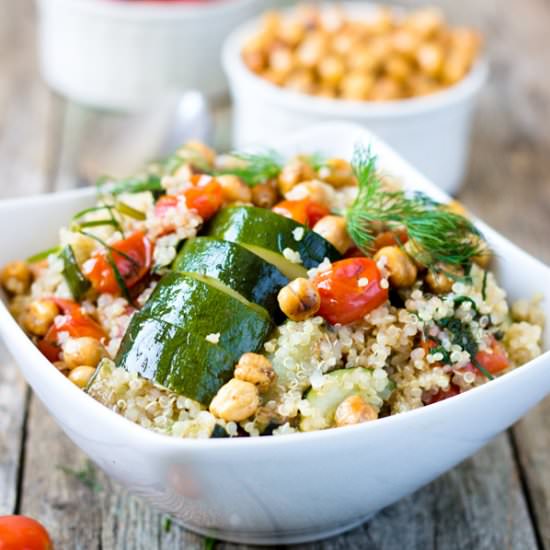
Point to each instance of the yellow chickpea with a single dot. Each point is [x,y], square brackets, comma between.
[39,316]
[331,70]
[311,50]
[281,62]
[315,190]
[299,300]
[256,369]
[202,150]
[425,22]
[301,80]
[356,86]
[334,230]
[16,277]
[398,68]
[235,401]
[291,32]
[354,410]
[293,173]
[337,172]
[441,279]
[405,42]
[401,268]
[429,57]
[363,61]
[385,89]
[265,194]
[234,189]
[80,376]
[82,352]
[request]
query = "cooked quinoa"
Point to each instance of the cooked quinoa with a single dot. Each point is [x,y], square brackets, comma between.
[441,331]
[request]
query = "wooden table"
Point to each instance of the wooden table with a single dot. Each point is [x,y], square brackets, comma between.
[500,498]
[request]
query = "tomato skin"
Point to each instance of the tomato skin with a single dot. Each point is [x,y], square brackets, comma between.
[390,238]
[23,533]
[343,301]
[75,322]
[205,197]
[102,276]
[494,362]
[304,211]
[441,395]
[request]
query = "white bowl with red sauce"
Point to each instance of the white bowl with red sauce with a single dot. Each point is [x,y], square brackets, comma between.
[125,54]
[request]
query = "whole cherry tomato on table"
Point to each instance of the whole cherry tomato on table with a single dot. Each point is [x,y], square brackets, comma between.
[133,263]
[23,533]
[304,211]
[349,290]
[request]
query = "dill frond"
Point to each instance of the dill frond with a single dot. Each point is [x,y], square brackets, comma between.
[255,168]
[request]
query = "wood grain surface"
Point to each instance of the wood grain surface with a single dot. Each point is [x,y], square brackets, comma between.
[500,498]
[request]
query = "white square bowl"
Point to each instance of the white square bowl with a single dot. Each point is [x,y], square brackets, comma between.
[289,488]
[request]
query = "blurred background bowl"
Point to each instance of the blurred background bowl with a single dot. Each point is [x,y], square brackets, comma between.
[432,132]
[122,55]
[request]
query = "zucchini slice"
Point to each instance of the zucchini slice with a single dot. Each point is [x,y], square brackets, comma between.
[235,266]
[169,342]
[268,234]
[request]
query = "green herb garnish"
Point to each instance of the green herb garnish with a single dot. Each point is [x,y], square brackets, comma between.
[87,476]
[459,300]
[484,286]
[167,524]
[438,236]
[209,543]
[77,283]
[255,168]
[39,256]
[147,182]
[131,212]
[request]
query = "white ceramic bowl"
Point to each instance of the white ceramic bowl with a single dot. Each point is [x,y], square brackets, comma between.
[124,55]
[431,132]
[286,488]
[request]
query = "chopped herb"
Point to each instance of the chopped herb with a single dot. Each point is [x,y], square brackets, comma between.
[209,543]
[444,352]
[256,168]
[167,524]
[316,161]
[87,476]
[129,211]
[76,226]
[218,431]
[438,236]
[459,300]
[147,182]
[38,257]
[77,283]
[461,335]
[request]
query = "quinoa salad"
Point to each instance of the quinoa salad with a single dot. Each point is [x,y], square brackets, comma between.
[250,295]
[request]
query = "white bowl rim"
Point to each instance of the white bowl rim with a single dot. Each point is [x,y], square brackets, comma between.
[77,398]
[145,10]
[234,65]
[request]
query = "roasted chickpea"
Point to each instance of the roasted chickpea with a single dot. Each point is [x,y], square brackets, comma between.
[441,279]
[425,22]
[80,376]
[84,351]
[356,86]
[296,171]
[456,207]
[354,410]
[265,194]
[299,300]
[234,189]
[197,148]
[483,259]
[401,268]
[334,230]
[39,315]
[430,59]
[337,172]
[386,89]
[235,401]
[16,277]
[256,369]
[331,69]
[315,190]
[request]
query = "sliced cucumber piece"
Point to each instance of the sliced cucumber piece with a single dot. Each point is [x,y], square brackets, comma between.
[266,230]
[191,333]
[337,386]
[235,266]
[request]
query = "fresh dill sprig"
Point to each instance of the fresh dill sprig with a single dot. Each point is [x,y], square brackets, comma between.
[255,168]
[438,237]
[138,184]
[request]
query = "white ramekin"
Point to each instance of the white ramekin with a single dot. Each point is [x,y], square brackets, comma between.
[431,132]
[124,55]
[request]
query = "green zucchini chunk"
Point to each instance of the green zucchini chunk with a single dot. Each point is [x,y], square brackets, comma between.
[235,266]
[172,340]
[266,233]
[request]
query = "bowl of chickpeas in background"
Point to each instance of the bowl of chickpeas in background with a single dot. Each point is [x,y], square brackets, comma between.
[406,75]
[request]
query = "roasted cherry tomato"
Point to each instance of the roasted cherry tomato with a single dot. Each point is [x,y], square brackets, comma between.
[23,533]
[349,290]
[304,211]
[441,395]
[493,361]
[73,321]
[390,238]
[205,197]
[133,264]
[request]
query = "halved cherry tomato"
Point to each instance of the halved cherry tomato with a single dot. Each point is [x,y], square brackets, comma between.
[441,395]
[23,533]
[98,270]
[349,290]
[304,211]
[493,361]
[75,322]
[390,238]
